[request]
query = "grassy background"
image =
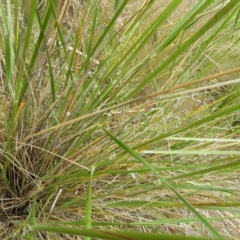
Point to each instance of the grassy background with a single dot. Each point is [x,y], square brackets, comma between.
[128,121]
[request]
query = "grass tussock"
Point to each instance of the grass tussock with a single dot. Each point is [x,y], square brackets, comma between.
[119,115]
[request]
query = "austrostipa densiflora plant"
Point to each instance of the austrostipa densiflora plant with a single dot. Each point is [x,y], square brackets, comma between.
[119,119]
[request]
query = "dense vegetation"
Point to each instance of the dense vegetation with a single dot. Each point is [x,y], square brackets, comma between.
[119,119]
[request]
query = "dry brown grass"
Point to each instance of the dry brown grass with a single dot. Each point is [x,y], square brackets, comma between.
[190,105]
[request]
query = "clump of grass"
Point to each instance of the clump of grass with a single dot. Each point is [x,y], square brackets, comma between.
[119,116]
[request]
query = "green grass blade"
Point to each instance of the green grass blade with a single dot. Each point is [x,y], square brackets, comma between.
[88,217]
[113,235]
[106,31]
[148,165]
[168,159]
[212,22]
[9,51]
[209,118]
[33,217]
